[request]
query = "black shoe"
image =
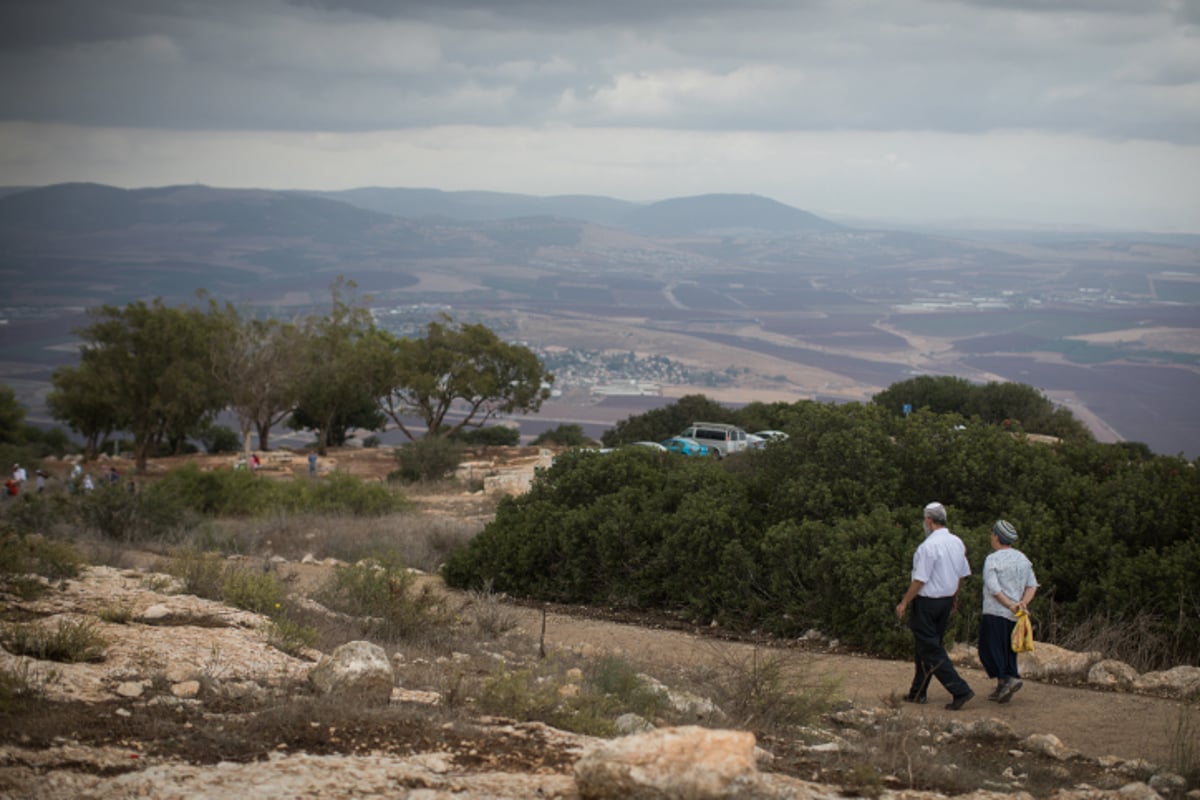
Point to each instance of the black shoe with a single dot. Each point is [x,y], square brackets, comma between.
[960,701]
[1011,687]
[995,695]
[919,699]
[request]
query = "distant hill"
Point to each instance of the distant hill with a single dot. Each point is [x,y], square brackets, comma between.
[723,214]
[83,208]
[482,206]
[711,214]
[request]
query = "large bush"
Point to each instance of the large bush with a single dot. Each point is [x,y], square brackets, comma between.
[820,530]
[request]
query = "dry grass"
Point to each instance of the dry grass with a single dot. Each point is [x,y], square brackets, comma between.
[420,540]
[767,691]
[1133,641]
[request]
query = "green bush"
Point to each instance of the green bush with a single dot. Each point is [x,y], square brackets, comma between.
[289,636]
[34,513]
[819,530]
[37,555]
[116,513]
[241,493]
[220,439]
[383,593]
[564,435]
[491,436]
[428,459]
[253,590]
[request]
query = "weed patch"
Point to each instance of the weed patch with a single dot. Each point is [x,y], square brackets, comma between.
[70,641]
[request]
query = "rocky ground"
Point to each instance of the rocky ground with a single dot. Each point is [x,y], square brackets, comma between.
[192,700]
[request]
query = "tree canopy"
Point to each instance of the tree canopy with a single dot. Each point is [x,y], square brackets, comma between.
[465,368]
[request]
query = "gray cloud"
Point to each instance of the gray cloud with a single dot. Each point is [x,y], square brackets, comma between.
[1089,67]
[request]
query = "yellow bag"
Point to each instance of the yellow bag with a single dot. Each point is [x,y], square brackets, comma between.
[1022,635]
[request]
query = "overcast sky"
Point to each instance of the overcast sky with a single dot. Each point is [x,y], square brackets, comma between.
[1048,111]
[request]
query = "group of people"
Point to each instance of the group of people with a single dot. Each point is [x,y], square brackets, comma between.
[938,569]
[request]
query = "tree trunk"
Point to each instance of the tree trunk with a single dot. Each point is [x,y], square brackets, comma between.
[264,433]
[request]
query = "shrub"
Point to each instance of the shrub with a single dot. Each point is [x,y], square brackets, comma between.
[202,574]
[34,513]
[769,692]
[610,688]
[116,513]
[22,679]
[288,636]
[564,435]
[383,592]
[70,641]
[428,459]
[39,556]
[491,436]
[347,494]
[252,590]
[220,439]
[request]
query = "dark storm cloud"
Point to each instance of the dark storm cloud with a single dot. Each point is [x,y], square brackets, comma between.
[1073,66]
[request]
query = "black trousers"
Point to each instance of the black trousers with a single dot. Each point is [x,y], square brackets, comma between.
[995,647]
[928,621]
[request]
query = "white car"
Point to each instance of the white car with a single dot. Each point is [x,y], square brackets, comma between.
[771,436]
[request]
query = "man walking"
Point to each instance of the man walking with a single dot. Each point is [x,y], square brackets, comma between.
[939,565]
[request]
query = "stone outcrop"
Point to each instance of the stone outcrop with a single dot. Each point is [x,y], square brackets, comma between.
[358,669]
[688,762]
[1048,661]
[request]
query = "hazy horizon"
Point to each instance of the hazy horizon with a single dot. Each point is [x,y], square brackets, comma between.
[1061,113]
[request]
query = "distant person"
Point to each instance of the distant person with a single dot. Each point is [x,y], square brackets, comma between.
[88,484]
[113,475]
[1008,586]
[75,479]
[255,461]
[19,475]
[938,567]
[41,481]
[312,465]
[11,487]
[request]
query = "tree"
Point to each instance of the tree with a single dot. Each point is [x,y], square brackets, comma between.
[668,421]
[943,394]
[82,400]
[256,363]
[337,383]
[12,417]
[467,368]
[150,362]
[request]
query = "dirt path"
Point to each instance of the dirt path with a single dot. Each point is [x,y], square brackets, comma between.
[1094,722]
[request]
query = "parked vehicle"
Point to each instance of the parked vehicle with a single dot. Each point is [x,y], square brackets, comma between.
[651,445]
[772,436]
[685,446]
[721,438]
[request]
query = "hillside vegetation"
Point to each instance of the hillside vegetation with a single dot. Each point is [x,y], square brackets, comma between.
[818,531]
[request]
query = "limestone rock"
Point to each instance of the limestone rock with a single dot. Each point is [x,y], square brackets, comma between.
[688,763]
[1048,744]
[1051,661]
[358,668]
[1112,673]
[1181,682]
[632,723]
